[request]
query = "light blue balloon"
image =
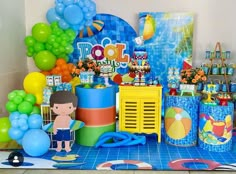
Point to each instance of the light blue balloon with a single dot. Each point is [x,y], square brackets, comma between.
[15,133]
[88,16]
[59,1]
[80,3]
[14,116]
[92,7]
[35,121]
[60,8]
[24,127]
[19,141]
[85,9]
[89,23]
[87,3]
[68,2]
[36,142]
[52,16]
[22,122]
[63,24]
[24,116]
[73,14]
[14,123]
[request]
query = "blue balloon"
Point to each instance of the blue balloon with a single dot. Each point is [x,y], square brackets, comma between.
[35,121]
[63,24]
[36,142]
[85,9]
[89,23]
[15,133]
[68,2]
[24,116]
[87,3]
[19,141]
[22,122]
[92,7]
[52,16]
[81,3]
[14,116]
[24,127]
[14,123]
[60,8]
[73,14]
[59,1]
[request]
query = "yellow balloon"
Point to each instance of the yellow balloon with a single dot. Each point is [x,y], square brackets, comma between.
[39,98]
[34,82]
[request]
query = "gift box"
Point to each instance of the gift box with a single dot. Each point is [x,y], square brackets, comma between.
[64,87]
[53,80]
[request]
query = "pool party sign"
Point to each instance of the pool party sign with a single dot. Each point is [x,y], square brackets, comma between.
[105,53]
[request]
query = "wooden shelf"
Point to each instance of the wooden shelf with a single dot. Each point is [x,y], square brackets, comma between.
[223,64]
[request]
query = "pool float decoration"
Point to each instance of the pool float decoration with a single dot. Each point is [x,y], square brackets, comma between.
[119,139]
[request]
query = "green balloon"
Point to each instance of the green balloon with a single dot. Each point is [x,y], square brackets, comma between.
[41,32]
[64,37]
[64,43]
[51,39]
[29,41]
[21,93]
[54,25]
[31,49]
[45,60]
[30,98]
[58,31]
[70,33]
[12,95]
[39,47]
[36,110]
[25,107]
[69,49]
[56,51]
[5,125]
[29,54]
[48,46]
[11,106]
[18,99]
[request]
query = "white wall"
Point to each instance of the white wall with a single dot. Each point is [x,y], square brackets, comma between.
[12,50]
[213,19]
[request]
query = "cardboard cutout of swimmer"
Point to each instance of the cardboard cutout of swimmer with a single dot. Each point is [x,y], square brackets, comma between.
[64,103]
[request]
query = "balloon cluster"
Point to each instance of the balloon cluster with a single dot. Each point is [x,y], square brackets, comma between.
[27,131]
[63,69]
[20,123]
[48,43]
[74,14]
[19,100]
[34,83]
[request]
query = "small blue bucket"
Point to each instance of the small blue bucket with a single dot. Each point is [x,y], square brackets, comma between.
[205,68]
[224,87]
[232,87]
[230,69]
[223,70]
[218,86]
[214,69]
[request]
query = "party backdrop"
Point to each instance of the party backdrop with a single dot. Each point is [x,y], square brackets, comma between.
[111,41]
[168,41]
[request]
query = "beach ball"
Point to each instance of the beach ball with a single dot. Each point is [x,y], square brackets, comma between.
[178,123]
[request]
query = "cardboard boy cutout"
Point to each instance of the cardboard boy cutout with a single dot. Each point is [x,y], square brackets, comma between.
[63,103]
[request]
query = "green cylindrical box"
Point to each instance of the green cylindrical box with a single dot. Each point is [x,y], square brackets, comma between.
[89,135]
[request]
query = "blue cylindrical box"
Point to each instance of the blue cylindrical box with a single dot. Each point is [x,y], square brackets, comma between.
[215,127]
[181,119]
